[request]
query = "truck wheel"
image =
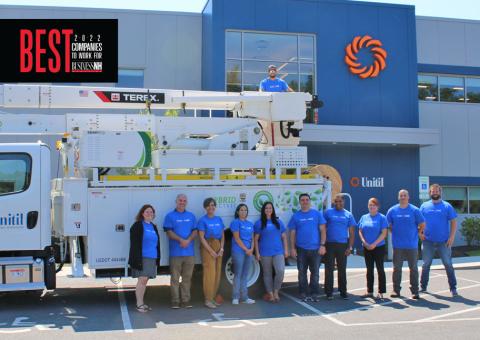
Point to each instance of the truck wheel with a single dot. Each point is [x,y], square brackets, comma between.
[254,281]
[50,273]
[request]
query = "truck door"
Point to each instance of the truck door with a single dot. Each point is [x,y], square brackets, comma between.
[20,206]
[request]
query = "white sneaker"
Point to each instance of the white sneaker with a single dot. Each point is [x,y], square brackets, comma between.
[249,301]
[235,302]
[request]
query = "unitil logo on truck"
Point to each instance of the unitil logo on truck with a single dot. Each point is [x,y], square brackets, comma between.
[12,220]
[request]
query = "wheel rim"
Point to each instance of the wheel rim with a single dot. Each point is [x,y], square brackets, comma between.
[253,273]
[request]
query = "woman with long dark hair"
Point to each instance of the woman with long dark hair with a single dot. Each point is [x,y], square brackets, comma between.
[271,249]
[242,254]
[144,256]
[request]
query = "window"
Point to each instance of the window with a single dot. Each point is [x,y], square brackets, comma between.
[248,55]
[474,200]
[452,89]
[15,172]
[457,197]
[473,90]
[130,78]
[427,87]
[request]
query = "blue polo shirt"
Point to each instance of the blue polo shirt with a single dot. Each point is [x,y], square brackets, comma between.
[306,226]
[437,220]
[211,226]
[273,85]
[405,223]
[150,241]
[182,224]
[372,227]
[245,231]
[338,224]
[270,241]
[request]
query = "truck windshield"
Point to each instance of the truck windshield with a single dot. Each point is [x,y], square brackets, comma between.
[15,172]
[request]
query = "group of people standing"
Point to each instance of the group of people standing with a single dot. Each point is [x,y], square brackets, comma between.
[313,234]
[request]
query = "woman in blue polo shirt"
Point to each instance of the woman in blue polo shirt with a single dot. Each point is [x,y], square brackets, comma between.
[144,255]
[242,251]
[271,249]
[372,231]
[210,229]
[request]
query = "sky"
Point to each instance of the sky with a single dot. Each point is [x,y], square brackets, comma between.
[462,9]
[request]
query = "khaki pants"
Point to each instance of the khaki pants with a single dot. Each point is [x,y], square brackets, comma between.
[181,267]
[212,270]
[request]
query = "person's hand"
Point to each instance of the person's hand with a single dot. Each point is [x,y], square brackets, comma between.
[249,252]
[294,253]
[348,252]
[322,251]
[213,254]
[422,236]
[257,256]
[372,246]
[184,243]
[367,245]
[285,254]
[220,252]
[450,242]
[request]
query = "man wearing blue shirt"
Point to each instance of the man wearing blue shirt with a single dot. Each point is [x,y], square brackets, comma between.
[439,234]
[406,222]
[272,83]
[180,227]
[340,238]
[307,236]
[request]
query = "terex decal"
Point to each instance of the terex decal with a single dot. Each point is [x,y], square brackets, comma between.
[130,97]
[378,53]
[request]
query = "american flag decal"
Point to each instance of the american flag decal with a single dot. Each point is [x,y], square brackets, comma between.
[83,93]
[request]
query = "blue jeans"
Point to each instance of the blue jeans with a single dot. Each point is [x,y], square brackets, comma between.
[428,251]
[241,266]
[308,259]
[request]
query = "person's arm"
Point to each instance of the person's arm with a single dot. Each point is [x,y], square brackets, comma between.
[205,244]
[351,239]
[289,89]
[257,251]
[171,234]
[362,238]
[453,230]
[421,229]
[293,242]
[323,239]
[222,243]
[285,244]
[236,237]
[380,238]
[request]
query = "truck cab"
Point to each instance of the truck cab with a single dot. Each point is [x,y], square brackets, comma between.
[26,256]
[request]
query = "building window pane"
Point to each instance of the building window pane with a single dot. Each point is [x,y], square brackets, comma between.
[130,78]
[306,83]
[474,200]
[473,90]
[427,87]
[306,68]
[15,172]
[278,47]
[452,89]
[234,45]
[305,47]
[457,197]
[234,88]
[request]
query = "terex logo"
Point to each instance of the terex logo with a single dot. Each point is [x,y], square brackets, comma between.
[12,220]
[378,53]
[131,97]
[366,182]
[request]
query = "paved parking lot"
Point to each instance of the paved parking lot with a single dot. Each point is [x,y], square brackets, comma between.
[99,309]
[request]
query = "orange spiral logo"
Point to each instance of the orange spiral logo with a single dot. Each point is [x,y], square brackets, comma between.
[379,55]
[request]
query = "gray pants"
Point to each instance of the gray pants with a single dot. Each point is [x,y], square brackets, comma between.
[181,267]
[400,255]
[276,262]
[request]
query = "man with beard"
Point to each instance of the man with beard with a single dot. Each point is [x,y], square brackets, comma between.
[438,235]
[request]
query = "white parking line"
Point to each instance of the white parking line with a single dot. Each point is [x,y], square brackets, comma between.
[450,314]
[313,309]
[127,324]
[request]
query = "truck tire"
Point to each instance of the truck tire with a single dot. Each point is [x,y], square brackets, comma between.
[50,273]
[254,282]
